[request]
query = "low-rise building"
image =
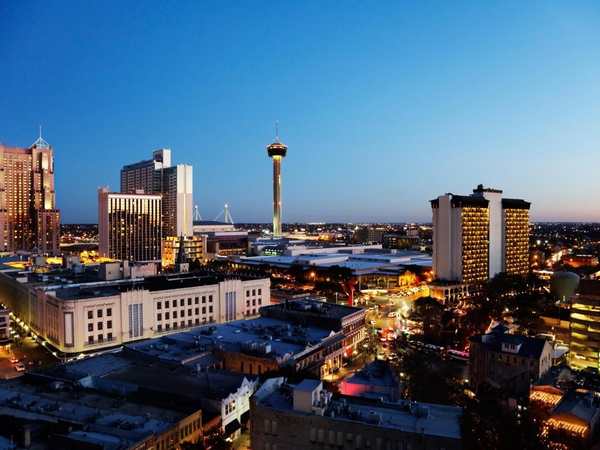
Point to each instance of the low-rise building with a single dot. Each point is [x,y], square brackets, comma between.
[306,416]
[44,413]
[376,380]
[78,312]
[508,361]
[291,339]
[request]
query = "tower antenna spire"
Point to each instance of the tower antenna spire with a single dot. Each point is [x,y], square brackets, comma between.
[40,131]
[277,131]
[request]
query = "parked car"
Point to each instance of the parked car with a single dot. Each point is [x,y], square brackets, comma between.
[14,359]
[20,367]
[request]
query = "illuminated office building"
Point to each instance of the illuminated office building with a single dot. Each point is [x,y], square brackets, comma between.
[129,225]
[173,183]
[477,236]
[585,326]
[29,219]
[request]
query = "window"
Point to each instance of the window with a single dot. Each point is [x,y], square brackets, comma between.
[109,324]
[210,298]
[253,302]
[100,325]
[197,321]
[204,299]
[99,313]
[253,292]
[247,293]
[109,336]
[259,301]
[108,312]
[167,304]
[197,311]
[181,302]
[247,302]
[174,324]
[210,309]
[90,314]
[190,312]
[90,327]
[159,327]
[182,323]
[100,338]
[167,316]
[259,291]
[90,339]
[196,300]
[174,314]
[190,323]
[189,301]
[168,326]
[210,319]
[158,305]
[204,310]
[159,316]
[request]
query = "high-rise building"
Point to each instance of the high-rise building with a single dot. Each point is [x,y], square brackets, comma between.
[277,151]
[173,183]
[477,236]
[129,225]
[585,334]
[29,219]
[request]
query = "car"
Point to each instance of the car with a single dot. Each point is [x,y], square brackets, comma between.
[14,359]
[19,367]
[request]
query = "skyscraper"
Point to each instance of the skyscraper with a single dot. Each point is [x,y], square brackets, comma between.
[29,219]
[277,151]
[477,236]
[173,183]
[129,225]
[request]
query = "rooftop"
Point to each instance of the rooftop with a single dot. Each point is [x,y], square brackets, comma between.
[422,418]
[500,341]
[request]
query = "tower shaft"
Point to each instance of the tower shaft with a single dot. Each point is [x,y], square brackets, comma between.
[277,196]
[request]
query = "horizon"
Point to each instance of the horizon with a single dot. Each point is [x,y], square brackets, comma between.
[383,106]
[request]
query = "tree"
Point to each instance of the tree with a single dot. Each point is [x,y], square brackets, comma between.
[429,312]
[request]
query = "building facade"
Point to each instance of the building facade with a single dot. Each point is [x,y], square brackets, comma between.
[29,219]
[475,237]
[89,315]
[194,249]
[306,416]
[129,226]
[507,361]
[173,182]
[584,329]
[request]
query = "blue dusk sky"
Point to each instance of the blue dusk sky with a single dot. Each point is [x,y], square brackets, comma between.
[384,105]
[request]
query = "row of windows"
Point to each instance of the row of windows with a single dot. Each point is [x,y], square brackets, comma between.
[99,313]
[167,303]
[190,323]
[100,325]
[254,292]
[159,316]
[254,301]
[100,338]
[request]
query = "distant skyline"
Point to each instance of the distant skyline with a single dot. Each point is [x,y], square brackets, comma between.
[383,105]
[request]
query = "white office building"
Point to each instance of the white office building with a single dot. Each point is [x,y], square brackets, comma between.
[78,312]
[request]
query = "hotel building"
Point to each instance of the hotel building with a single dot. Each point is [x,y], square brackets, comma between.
[194,249]
[78,311]
[29,219]
[475,237]
[173,183]
[129,226]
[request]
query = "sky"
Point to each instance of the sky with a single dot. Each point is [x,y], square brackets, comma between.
[383,105]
